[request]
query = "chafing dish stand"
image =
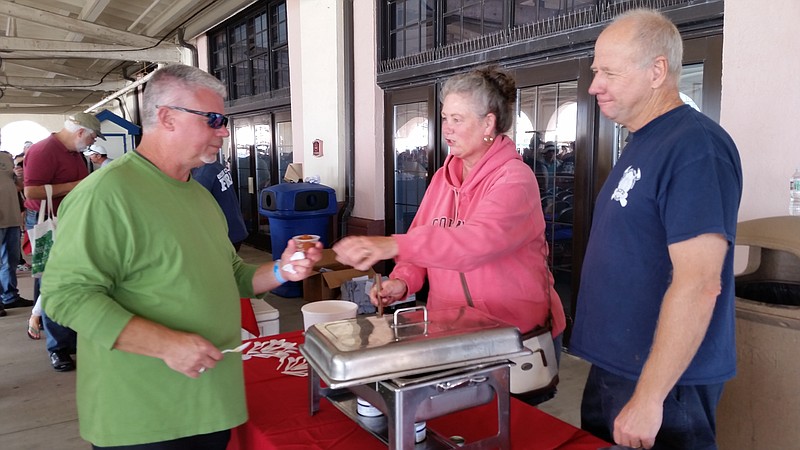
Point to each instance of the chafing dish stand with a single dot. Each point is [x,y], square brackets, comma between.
[406,401]
[426,378]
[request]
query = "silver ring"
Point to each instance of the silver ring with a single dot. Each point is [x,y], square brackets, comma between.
[201,370]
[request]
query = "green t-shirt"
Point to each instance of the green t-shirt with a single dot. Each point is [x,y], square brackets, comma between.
[133,241]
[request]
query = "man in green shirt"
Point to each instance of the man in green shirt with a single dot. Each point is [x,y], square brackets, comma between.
[144,272]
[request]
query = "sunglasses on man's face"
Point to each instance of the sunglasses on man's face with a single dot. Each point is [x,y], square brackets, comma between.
[215,120]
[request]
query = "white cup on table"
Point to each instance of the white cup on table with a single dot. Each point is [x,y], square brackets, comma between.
[327,311]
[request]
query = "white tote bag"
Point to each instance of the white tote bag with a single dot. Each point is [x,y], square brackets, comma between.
[43,234]
[537,373]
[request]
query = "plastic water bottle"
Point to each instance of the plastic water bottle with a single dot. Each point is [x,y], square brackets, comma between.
[794,194]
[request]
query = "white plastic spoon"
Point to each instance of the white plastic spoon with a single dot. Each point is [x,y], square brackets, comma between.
[238,349]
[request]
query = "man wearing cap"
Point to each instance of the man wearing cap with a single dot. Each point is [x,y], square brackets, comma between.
[57,161]
[548,163]
[98,155]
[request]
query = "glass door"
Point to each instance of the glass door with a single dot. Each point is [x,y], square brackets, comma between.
[244,145]
[411,136]
[545,133]
[283,143]
[410,156]
[258,165]
[262,127]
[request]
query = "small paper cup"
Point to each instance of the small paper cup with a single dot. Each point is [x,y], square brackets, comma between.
[305,241]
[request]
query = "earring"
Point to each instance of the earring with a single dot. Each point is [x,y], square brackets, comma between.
[488,139]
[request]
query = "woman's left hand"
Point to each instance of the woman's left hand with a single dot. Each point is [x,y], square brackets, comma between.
[363,252]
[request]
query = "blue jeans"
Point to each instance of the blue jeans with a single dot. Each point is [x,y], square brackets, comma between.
[9,259]
[59,338]
[689,411]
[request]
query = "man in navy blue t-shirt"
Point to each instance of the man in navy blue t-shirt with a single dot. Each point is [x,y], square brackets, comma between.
[218,180]
[655,313]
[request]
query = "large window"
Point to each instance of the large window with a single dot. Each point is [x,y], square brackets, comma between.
[528,11]
[240,63]
[280,47]
[411,26]
[468,19]
[441,29]
[219,57]
[250,53]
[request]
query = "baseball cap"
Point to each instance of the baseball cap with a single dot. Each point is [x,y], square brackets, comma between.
[96,148]
[89,121]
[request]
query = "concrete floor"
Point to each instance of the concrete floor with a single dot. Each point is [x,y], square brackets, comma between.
[37,404]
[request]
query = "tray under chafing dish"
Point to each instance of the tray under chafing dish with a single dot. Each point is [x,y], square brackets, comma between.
[412,341]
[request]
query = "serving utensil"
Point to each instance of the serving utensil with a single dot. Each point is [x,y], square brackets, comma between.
[238,349]
[378,287]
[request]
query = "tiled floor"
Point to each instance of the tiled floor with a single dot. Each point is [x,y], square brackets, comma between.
[37,404]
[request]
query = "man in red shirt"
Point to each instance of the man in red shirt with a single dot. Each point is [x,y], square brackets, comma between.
[58,161]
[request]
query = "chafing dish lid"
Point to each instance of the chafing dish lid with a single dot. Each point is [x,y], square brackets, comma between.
[370,348]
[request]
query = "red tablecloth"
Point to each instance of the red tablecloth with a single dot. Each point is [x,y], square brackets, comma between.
[277,401]
[249,322]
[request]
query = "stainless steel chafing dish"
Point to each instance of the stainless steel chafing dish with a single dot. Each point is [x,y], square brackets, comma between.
[413,366]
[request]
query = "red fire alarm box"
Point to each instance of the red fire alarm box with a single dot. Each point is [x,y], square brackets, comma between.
[317,147]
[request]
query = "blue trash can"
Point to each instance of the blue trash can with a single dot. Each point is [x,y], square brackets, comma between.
[292,209]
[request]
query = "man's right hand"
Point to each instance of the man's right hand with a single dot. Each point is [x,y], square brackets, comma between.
[187,353]
[191,355]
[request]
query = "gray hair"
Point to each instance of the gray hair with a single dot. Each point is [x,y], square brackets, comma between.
[492,90]
[73,127]
[171,83]
[655,35]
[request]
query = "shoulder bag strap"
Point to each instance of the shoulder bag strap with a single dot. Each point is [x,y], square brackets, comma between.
[48,188]
[42,210]
[548,324]
[466,289]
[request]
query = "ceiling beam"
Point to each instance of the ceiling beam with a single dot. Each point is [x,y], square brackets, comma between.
[10,109]
[44,84]
[59,69]
[83,27]
[26,48]
[211,16]
[28,100]
[143,15]
[177,9]
[92,9]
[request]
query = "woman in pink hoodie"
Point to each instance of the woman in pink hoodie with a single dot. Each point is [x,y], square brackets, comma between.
[480,216]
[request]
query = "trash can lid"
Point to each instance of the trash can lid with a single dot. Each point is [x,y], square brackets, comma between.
[777,233]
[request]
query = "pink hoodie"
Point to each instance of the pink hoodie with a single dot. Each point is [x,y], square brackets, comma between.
[491,227]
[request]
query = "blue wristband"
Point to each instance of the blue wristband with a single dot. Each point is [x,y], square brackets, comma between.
[276,271]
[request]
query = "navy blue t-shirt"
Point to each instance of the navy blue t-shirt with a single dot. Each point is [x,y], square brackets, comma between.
[678,177]
[218,180]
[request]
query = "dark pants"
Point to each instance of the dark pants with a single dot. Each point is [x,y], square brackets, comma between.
[210,441]
[59,338]
[689,411]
